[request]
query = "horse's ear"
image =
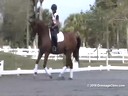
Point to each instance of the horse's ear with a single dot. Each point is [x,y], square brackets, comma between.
[30,21]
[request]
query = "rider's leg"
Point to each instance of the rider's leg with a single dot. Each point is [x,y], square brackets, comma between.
[55,36]
[54,41]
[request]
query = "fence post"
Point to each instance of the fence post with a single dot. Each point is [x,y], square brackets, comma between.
[89,56]
[123,59]
[1,67]
[107,58]
[123,56]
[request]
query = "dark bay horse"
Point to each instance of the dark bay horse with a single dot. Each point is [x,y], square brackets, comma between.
[71,44]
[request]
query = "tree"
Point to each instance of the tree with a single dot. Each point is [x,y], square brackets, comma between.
[104,23]
[14,22]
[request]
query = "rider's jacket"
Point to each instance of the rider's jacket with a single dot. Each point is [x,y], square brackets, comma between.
[54,17]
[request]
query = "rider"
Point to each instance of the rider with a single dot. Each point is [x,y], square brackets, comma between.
[54,26]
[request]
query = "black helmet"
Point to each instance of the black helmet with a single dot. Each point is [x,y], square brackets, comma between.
[54,7]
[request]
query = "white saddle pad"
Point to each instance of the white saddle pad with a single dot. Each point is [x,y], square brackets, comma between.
[60,36]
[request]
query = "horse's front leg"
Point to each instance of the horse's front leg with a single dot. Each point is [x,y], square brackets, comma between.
[37,62]
[45,64]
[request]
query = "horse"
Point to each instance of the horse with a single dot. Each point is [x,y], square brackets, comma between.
[69,46]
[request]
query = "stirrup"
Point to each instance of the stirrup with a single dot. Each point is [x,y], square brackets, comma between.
[54,48]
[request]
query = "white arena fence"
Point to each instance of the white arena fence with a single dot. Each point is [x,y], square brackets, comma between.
[88,54]
[19,71]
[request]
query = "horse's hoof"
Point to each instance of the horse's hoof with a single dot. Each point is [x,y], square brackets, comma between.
[70,78]
[35,73]
[50,77]
[62,78]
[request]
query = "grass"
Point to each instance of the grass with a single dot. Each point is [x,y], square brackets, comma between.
[12,62]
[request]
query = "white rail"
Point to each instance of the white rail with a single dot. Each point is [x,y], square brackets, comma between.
[89,54]
[19,71]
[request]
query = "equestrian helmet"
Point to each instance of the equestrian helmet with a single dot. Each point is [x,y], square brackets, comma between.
[54,7]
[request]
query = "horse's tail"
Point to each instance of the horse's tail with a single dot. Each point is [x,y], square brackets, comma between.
[78,41]
[76,51]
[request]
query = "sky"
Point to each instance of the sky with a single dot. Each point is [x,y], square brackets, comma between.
[67,7]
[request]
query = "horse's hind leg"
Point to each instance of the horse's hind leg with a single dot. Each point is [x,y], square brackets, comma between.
[68,64]
[76,55]
[37,62]
[71,68]
[45,63]
[62,72]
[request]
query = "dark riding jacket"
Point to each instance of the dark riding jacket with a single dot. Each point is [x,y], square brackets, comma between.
[55,23]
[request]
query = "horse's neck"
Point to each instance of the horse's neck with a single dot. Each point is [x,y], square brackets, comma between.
[44,34]
[43,30]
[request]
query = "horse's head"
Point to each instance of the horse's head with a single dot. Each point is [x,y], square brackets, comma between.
[33,27]
[38,27]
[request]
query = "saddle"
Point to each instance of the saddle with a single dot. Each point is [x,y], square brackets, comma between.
[60,36]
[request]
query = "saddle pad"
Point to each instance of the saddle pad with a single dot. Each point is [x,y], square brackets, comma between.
[60,37]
